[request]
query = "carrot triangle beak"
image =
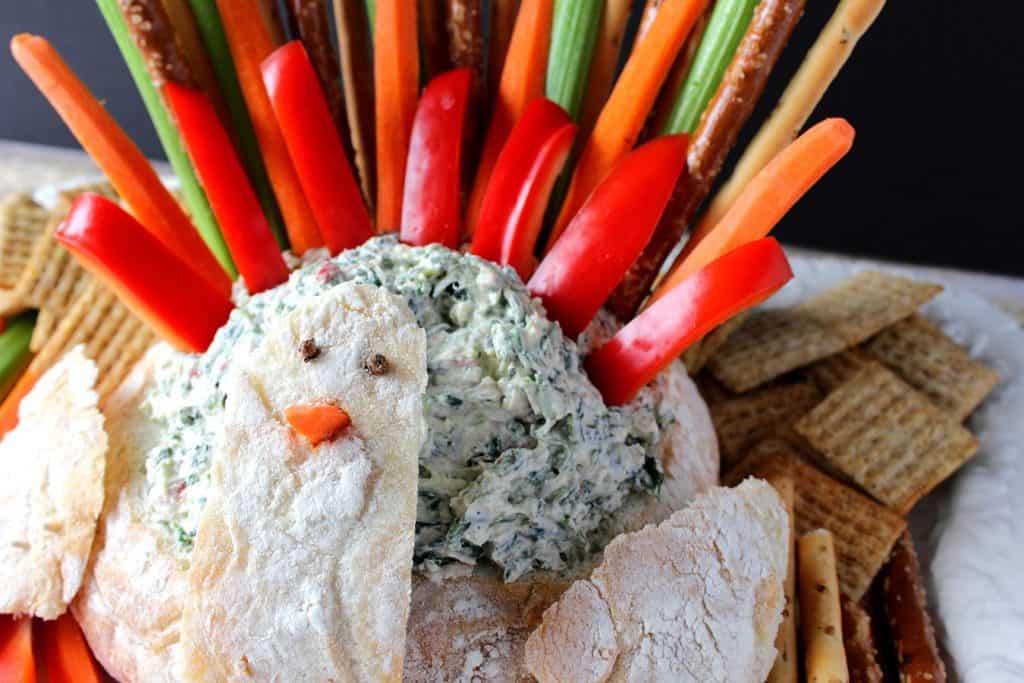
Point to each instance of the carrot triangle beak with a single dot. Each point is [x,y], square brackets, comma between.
[318,423]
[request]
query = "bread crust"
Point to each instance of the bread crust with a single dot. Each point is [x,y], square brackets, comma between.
[136,638]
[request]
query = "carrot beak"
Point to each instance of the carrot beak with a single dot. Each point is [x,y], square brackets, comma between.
[318,423]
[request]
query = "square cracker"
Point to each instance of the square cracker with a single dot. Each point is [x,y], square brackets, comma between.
[698,355]
[887,438]
[771,343]
[922,355]
[742,422]
[832,372]
[864,531]
[867,303]
[22,223]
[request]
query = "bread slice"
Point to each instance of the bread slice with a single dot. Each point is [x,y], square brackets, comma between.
[51,490]
[697,598]
[302,562]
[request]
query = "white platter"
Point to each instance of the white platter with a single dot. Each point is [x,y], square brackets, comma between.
[969,532]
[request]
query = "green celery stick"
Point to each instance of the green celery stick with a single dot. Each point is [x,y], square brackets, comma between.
[728,23]
[14,352]
[573,33]
[371,13]
[195,197]
[212,32]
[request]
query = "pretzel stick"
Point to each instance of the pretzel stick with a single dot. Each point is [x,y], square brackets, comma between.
[433,38]
[787,665]
[503,21]
[356,50]
[720,125]
[821,621]
[823,62]
[467,50]
[858,639]
[313,27]
[906,611]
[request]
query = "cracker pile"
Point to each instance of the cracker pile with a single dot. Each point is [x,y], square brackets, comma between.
[857,403]
[37,273]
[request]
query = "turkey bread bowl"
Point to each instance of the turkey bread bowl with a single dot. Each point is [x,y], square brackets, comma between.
[523,473]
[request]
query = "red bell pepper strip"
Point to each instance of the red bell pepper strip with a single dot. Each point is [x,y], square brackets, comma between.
[607,235]
[739,280]
[117,156]
[316,149]
[66,657]
[17,663]
[155,284]
[242,222]
[431,210]
[512,212]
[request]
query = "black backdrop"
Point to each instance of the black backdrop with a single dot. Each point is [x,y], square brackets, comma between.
[934,90]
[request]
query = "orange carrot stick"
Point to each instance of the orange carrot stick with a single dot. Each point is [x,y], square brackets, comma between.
[396,78]
[10,405]
[623,116]
[606,59]
[317,423]
[66,656]
[522,81]
[113,151]
[251,41]
[767,198]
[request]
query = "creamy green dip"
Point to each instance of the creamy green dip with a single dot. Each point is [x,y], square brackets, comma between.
[524,465]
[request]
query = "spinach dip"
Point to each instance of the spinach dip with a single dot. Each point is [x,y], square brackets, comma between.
[524,465]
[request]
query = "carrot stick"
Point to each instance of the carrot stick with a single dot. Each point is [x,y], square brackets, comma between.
[113,151]
[522,81]
[767,198]
[623,116]
[605,60]
[251,42]
[503,22]
[66,656]
[9,407]
[212,31]
[824,61]
[396,79]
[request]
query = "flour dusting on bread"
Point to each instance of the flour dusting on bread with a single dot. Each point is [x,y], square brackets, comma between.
[51,490]
[303,559]
[697,598]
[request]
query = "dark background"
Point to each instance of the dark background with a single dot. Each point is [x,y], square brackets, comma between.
[934,90]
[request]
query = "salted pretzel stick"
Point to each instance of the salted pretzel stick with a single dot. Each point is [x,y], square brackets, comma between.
[906,610]
[356,50]
[823,62]
[720,125]
[787,663]
[821,620]
[313,26]
[464,19]
[433,38]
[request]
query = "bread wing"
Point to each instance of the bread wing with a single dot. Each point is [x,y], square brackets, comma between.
[697,598]
[51,490]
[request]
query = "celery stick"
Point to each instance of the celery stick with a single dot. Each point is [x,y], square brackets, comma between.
[195,197]
[14,352]
[728,23]
[211,30]
[573,33]
[371,13]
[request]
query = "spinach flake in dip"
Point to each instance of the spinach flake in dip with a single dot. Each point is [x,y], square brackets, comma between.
[524,465]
